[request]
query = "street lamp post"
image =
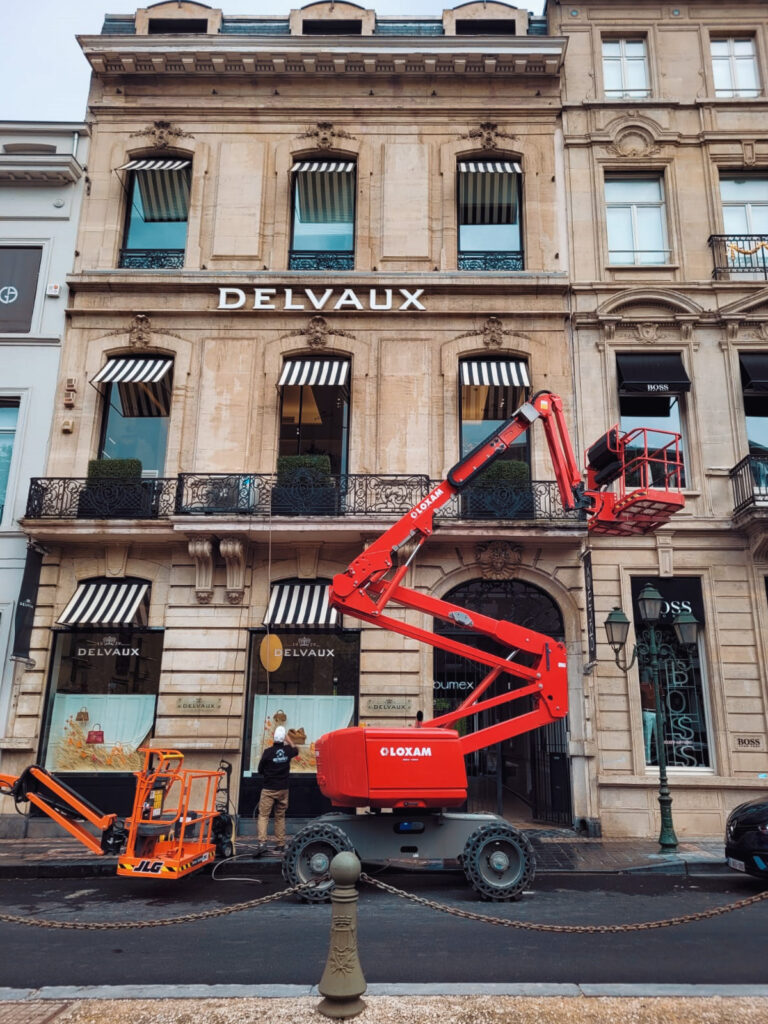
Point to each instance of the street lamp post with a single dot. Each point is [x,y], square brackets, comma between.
[617,629]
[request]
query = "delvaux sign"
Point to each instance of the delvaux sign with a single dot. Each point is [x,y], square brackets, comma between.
[331,300]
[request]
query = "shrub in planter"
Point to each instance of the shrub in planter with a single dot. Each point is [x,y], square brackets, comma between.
[304,486]
[502,491]
[114,489]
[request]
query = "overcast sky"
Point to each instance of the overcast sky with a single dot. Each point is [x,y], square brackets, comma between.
[44,76]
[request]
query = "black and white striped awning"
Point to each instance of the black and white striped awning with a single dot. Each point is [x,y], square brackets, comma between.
[505,373]
[144,384]
[488,192]
[325,191]
[300,604]
[107,603]
[163,186]
[332,372]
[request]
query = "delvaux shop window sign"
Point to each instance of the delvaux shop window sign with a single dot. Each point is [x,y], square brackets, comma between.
[308,300]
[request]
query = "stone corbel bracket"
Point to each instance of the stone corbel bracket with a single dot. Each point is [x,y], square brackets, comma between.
[201,551]
[232,550]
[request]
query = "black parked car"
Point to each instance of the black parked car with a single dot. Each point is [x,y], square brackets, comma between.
[746,838]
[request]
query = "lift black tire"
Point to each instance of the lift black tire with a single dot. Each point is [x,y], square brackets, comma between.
[499,862]
[309,855]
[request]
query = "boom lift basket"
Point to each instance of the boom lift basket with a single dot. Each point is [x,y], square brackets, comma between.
[647,467]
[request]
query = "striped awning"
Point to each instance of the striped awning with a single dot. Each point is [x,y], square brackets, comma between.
[300,604]
[325,191]
[488,192]
[107,603]
[144,384]
[505,373]
[315,371]
[163,187]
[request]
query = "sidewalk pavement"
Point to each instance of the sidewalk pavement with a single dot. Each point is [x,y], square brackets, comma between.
[558,851]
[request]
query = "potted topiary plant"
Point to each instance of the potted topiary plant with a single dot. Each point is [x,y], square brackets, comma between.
[114,489]
[304,487]
[502,491]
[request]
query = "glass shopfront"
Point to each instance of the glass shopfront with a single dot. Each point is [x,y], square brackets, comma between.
[100,710]
[681,677]
[307,681]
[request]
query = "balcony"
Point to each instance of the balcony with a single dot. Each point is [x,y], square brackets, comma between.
[491,261]
[321,260]
[151,259]
[750,483]
[259,496]
[740,254]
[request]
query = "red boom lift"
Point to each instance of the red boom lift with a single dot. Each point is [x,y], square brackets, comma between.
[417,773]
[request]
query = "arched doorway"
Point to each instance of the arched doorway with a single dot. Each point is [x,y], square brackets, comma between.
[526,778]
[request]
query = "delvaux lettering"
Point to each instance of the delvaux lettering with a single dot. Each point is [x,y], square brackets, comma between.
[396,300]
[107,652]
[303,652]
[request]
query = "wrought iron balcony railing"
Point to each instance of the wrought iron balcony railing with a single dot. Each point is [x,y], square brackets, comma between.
[491,261]
[151,259]
[321,260]
[265,495]
[750,482]
[70,498]
[739,254]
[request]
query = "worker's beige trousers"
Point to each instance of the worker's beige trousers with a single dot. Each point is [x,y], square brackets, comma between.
[277,798]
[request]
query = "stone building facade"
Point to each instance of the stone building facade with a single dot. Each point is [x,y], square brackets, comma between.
[312,271]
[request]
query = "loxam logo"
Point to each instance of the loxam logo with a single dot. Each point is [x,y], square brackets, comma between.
[405,751]
[429,500]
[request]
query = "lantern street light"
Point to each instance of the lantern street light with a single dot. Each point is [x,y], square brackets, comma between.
[686,627]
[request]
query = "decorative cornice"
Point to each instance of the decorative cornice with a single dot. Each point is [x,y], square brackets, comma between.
[365,55]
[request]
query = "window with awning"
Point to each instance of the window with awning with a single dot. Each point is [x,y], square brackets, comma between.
[314,413]
[137,408]
[109,603]
[158,193]
[490,390]
[651,390]
[489,205]
[323,206]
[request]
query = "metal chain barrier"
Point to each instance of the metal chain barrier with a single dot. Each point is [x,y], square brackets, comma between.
[202,915]
[572,929]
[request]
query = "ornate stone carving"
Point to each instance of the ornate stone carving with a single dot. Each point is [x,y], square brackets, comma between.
[497,559]
[486,136]
[750,157]
[634,141]
[317,332]
[647,332]
[140,332]
[232,550]
[201,551]
[325,135]
[492,332]
[162,134]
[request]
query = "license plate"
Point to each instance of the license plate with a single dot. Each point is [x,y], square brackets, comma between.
[737,865]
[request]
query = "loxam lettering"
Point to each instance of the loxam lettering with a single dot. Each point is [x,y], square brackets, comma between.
[405,751]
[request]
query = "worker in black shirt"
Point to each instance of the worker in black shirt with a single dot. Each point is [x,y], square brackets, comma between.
[275,766]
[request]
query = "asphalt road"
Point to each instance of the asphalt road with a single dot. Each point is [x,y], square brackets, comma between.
[287,941]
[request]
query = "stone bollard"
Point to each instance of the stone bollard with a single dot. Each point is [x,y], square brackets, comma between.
[342,982]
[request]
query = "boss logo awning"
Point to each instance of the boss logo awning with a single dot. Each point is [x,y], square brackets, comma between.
[163,187]
[144,384]
[499,372]
[656,373]
[300,604]
[314,371]
[107,603]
